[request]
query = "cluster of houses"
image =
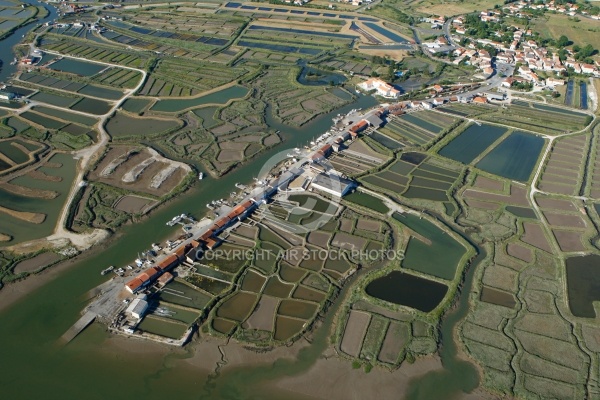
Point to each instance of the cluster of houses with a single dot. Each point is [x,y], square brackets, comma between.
[519,8]
[188,252]
[522,51]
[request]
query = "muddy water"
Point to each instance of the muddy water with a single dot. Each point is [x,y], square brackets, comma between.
[36,364]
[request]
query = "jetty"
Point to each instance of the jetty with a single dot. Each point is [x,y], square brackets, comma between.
[79,326]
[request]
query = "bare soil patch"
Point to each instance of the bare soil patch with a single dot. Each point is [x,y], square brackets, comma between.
[559,179]
[247,231]
[568,240]
[132,204]
[271,140]
[263,317]
[483,182]
[556,204]
[519,251]
[518,196]
[356,328]
[229,145]
[142,171]
[319,238]
[556,188]
[569,221]
[394,341]
[498,297]
[534,235]
[368,225]
[346,225]
[567,159]
[555,170]
[37,262]
[348,242]
[227,156]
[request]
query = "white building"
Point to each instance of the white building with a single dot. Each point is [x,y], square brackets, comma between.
[6,96]
[137,308]
[383,89]
[332,184]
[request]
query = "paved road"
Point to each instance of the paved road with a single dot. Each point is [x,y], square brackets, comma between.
[446,29]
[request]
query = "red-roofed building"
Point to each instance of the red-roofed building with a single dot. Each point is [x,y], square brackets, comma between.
[359,126]
[168,263]
[212,243]
[143,279]
[134,285]
[317,156]
[238,210]
[149,274]
[480,100]
[222,222]
[326,150]
[181,251]
[206,235]
[248,204]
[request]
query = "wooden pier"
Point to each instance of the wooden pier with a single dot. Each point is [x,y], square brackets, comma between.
[79,326]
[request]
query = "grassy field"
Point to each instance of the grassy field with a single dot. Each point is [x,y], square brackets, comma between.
[449,7]
[583,32]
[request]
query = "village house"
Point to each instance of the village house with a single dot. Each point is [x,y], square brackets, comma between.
[382,88]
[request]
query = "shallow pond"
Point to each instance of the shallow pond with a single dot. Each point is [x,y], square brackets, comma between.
[470,143]
[439,257]
[407,290]
[368,201]
[514,158]
[77,67]
[134,105]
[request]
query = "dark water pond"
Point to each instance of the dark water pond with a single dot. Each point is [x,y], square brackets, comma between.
[583,284]
[407,290]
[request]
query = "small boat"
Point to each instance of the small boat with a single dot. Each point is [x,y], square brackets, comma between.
[139,262]
[201,176]
[107,270]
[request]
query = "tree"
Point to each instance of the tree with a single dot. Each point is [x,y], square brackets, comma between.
[390,72]
[563,41]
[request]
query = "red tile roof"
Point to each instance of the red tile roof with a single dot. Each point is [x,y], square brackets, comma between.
[168,262]
[222,222]
[134,284]
[247,204]
[211,243]
[206,235]
[359,126]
